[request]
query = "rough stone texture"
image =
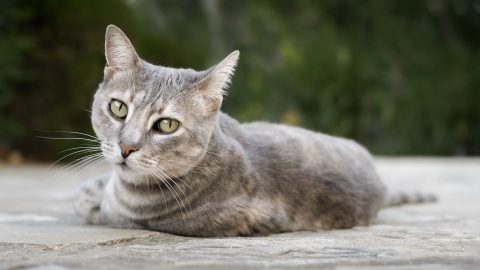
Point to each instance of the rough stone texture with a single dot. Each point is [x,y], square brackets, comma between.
[39,230]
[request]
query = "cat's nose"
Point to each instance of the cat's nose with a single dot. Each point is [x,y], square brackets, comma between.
[127,149]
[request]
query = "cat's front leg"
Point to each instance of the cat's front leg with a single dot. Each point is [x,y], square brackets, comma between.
[89,199]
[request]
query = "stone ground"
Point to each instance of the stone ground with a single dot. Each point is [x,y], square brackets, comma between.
[39,230]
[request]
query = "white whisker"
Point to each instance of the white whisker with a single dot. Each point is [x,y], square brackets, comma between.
[180,203]
[80,147]
[68,138]
[72,132]
[190,165]
[79,163]
[73,153]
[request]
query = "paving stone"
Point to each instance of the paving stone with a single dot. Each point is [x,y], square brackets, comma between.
[39,229]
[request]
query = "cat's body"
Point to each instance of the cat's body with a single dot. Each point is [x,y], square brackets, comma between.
[212,176]
[256,178]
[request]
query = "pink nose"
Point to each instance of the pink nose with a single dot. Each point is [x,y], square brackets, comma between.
[127,149]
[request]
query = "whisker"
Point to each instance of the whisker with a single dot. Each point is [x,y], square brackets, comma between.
[68,138]
[190,165]
[82,159]
[173,165]
[165,182]
[71,132]
[76,164]
[88,164]
[181,190]
[80,147]
[73,153]
[163,194]
[175,193]
[161,189]
[156,161]
[171,174]
[93,163]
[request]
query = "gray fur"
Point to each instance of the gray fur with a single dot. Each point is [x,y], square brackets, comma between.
[215,176]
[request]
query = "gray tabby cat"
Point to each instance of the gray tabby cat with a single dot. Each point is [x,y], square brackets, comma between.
[181,166]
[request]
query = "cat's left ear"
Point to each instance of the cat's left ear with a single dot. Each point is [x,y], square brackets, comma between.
[119,51]
[218,77]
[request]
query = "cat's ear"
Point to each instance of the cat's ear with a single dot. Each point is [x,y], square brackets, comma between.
[218,77]
[119,51]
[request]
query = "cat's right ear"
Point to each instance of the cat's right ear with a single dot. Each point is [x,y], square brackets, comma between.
[119,52]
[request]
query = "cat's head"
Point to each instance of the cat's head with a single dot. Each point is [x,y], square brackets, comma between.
[154,120]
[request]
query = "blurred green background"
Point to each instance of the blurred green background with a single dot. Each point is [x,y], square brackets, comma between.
[401,77]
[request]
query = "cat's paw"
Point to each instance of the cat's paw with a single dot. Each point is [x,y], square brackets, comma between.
[89,200]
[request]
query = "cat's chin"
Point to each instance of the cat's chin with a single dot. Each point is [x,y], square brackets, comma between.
[126,171]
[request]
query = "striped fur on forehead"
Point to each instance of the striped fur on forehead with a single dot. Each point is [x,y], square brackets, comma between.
[165,83]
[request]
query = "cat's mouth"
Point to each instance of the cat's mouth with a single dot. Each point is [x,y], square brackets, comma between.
[123,165]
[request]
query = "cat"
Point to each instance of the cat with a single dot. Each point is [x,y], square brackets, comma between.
[182,166]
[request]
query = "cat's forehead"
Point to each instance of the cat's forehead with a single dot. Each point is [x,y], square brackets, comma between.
[153,84]
[164,79]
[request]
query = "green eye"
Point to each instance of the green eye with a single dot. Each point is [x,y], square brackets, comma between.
[166,125]
[118,108]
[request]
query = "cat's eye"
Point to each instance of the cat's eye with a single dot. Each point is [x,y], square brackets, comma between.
[118,108]
[166,125]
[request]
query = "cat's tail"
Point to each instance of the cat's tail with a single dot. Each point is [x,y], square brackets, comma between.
[400,198]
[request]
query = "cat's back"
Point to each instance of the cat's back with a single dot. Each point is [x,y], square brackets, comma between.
[282,152]
[309,146]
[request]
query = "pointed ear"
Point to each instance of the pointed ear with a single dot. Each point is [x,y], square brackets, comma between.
[119,51]
[218,78]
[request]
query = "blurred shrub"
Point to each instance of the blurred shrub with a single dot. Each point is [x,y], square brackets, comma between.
[402,77]
[51,53]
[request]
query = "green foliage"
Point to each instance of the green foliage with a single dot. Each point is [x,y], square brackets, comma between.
[53,54]
[399,76]
[402,77]
[11,48]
